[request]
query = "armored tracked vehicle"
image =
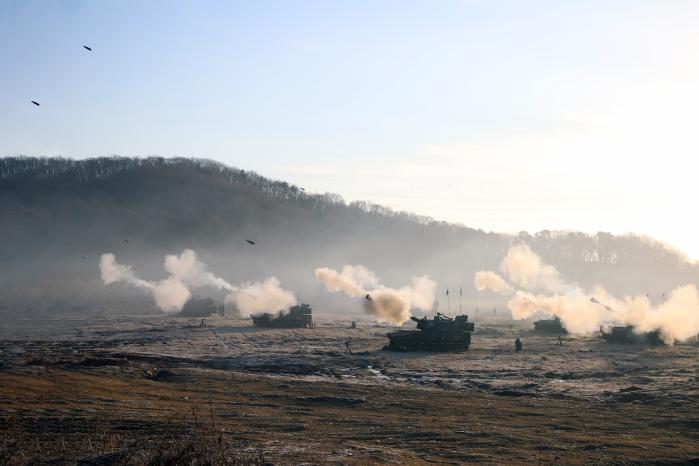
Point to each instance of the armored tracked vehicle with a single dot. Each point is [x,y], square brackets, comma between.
[299,316]
[441,333]
[550,326]
[200,307]
[627,336]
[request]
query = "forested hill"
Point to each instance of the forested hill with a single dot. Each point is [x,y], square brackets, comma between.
[58,215]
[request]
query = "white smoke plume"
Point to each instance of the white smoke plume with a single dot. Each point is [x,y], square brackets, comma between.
[526,269]
[577,312]
[583,312]
[260,297]
[111,272]
[385,304]
[487,280]
[169,294]
[188,269]
[420,293]
[188,272]
[353,280]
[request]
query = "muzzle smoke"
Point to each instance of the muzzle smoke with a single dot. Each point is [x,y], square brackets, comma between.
[188,272]
[583,312]
[526,270]
[384,304]
[486,280]
[169,294]
[260,297]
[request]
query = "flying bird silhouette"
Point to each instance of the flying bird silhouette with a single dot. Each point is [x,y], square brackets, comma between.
[125,240]
[35,103]
[303,189]
[87,48]
[251,242]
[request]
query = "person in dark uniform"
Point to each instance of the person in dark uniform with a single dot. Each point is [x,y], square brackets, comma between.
[518,344]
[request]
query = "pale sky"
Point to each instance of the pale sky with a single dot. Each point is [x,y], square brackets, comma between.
[501,115]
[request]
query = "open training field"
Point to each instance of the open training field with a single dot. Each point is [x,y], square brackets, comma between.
[126,390]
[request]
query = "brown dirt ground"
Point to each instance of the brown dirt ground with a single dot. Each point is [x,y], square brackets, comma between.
[65,413]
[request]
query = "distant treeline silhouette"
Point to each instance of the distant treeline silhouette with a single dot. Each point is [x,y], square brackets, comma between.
[56,210]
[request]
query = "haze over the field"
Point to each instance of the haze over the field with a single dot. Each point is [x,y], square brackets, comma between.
[71,230]
[505,116]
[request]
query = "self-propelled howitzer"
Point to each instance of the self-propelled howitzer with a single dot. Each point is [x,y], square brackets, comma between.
[299,316]
[440,333]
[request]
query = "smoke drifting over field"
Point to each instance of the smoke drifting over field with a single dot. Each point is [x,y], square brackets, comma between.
[353,280]
[259,297]
[188,269]
[188,272]
[60,215]
[170,294]
[385,304]
[527,270]
[583,312]
[486,280]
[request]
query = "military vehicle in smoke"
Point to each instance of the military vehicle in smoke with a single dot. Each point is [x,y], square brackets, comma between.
[299,316]
[200,307]
[441,333]
[550,326]
[627,336]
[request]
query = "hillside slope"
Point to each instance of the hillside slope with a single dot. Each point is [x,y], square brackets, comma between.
[58,216]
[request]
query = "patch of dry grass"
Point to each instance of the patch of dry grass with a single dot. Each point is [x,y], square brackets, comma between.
[190,441]
[204,416]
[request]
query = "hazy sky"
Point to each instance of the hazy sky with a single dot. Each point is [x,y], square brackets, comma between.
[502,115]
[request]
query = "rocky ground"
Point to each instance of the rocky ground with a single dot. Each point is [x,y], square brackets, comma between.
[117,390]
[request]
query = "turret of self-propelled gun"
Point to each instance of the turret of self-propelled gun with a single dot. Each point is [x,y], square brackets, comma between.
[440,333]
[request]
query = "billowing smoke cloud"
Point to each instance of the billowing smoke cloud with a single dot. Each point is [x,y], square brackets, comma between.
[169,294]
[387,305]
[583,312]
[188,269]
[188,272]
[578,313]
[111,272]
[526,269]
[420,293]
[353,280]
[487,280]
[384,304]
[259,297]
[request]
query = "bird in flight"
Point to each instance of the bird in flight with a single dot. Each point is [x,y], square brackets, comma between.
[87,48]
[125,240]
[35,103]
[251,242]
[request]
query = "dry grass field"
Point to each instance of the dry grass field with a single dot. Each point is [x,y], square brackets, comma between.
[116,400]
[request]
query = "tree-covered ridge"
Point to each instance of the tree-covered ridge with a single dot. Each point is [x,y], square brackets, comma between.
[218,194]
[604,248]
[22,170]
